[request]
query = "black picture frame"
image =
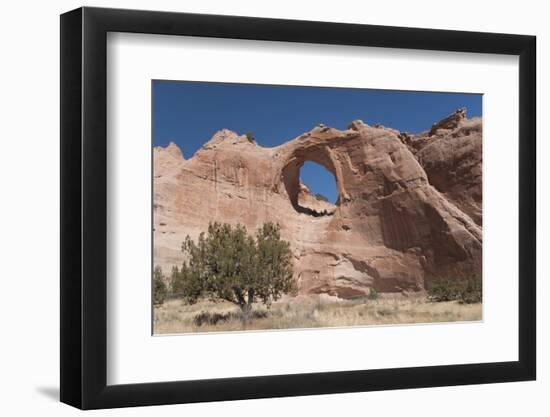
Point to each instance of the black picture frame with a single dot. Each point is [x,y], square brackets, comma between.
[84,207]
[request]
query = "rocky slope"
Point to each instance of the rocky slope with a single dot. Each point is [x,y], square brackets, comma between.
[409,206]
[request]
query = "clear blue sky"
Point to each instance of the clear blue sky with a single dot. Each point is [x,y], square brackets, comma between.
[189,113]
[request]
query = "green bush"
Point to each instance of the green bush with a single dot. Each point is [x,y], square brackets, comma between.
[228,264]
[442,289]
[321,197]
[373,294]
[472,291]
[159,287]
[206,318]
[467,291]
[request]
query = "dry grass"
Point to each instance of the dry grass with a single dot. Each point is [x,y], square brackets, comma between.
[174,316]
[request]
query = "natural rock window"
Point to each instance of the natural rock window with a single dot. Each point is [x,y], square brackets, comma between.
[312,187]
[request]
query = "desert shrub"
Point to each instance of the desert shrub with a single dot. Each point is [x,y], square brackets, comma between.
[250,137]
[159,286]
[472,290]
[174,281]
[384,311]
[442,289]
[466,291]
[228,264]
[321,197]
[373,294]
[206,318]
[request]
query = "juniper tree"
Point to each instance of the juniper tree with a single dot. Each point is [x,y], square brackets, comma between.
[226,263]
[159,286]
[174,280]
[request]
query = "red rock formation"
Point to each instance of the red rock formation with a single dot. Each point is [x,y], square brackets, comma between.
[409,206]
[317,207]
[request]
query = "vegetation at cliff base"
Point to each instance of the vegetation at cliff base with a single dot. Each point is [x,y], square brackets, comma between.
[467,291]
[313,311]
[226,263]
[159,286]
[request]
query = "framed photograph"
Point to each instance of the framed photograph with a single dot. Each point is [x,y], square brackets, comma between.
[258,208]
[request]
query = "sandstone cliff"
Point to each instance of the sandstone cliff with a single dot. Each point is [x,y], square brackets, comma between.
[409,206]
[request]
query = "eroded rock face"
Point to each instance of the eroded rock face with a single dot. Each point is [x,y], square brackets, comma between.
[409,206]
[313,205]
[452,160]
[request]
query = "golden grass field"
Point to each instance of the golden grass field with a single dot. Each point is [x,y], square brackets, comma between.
[174,316]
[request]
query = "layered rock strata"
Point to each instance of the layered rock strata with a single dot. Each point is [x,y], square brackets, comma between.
[409,207]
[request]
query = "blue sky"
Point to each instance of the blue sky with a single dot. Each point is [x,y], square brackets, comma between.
[189,113]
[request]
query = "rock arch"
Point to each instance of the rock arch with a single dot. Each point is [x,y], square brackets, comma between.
[392,230]
[290,176]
